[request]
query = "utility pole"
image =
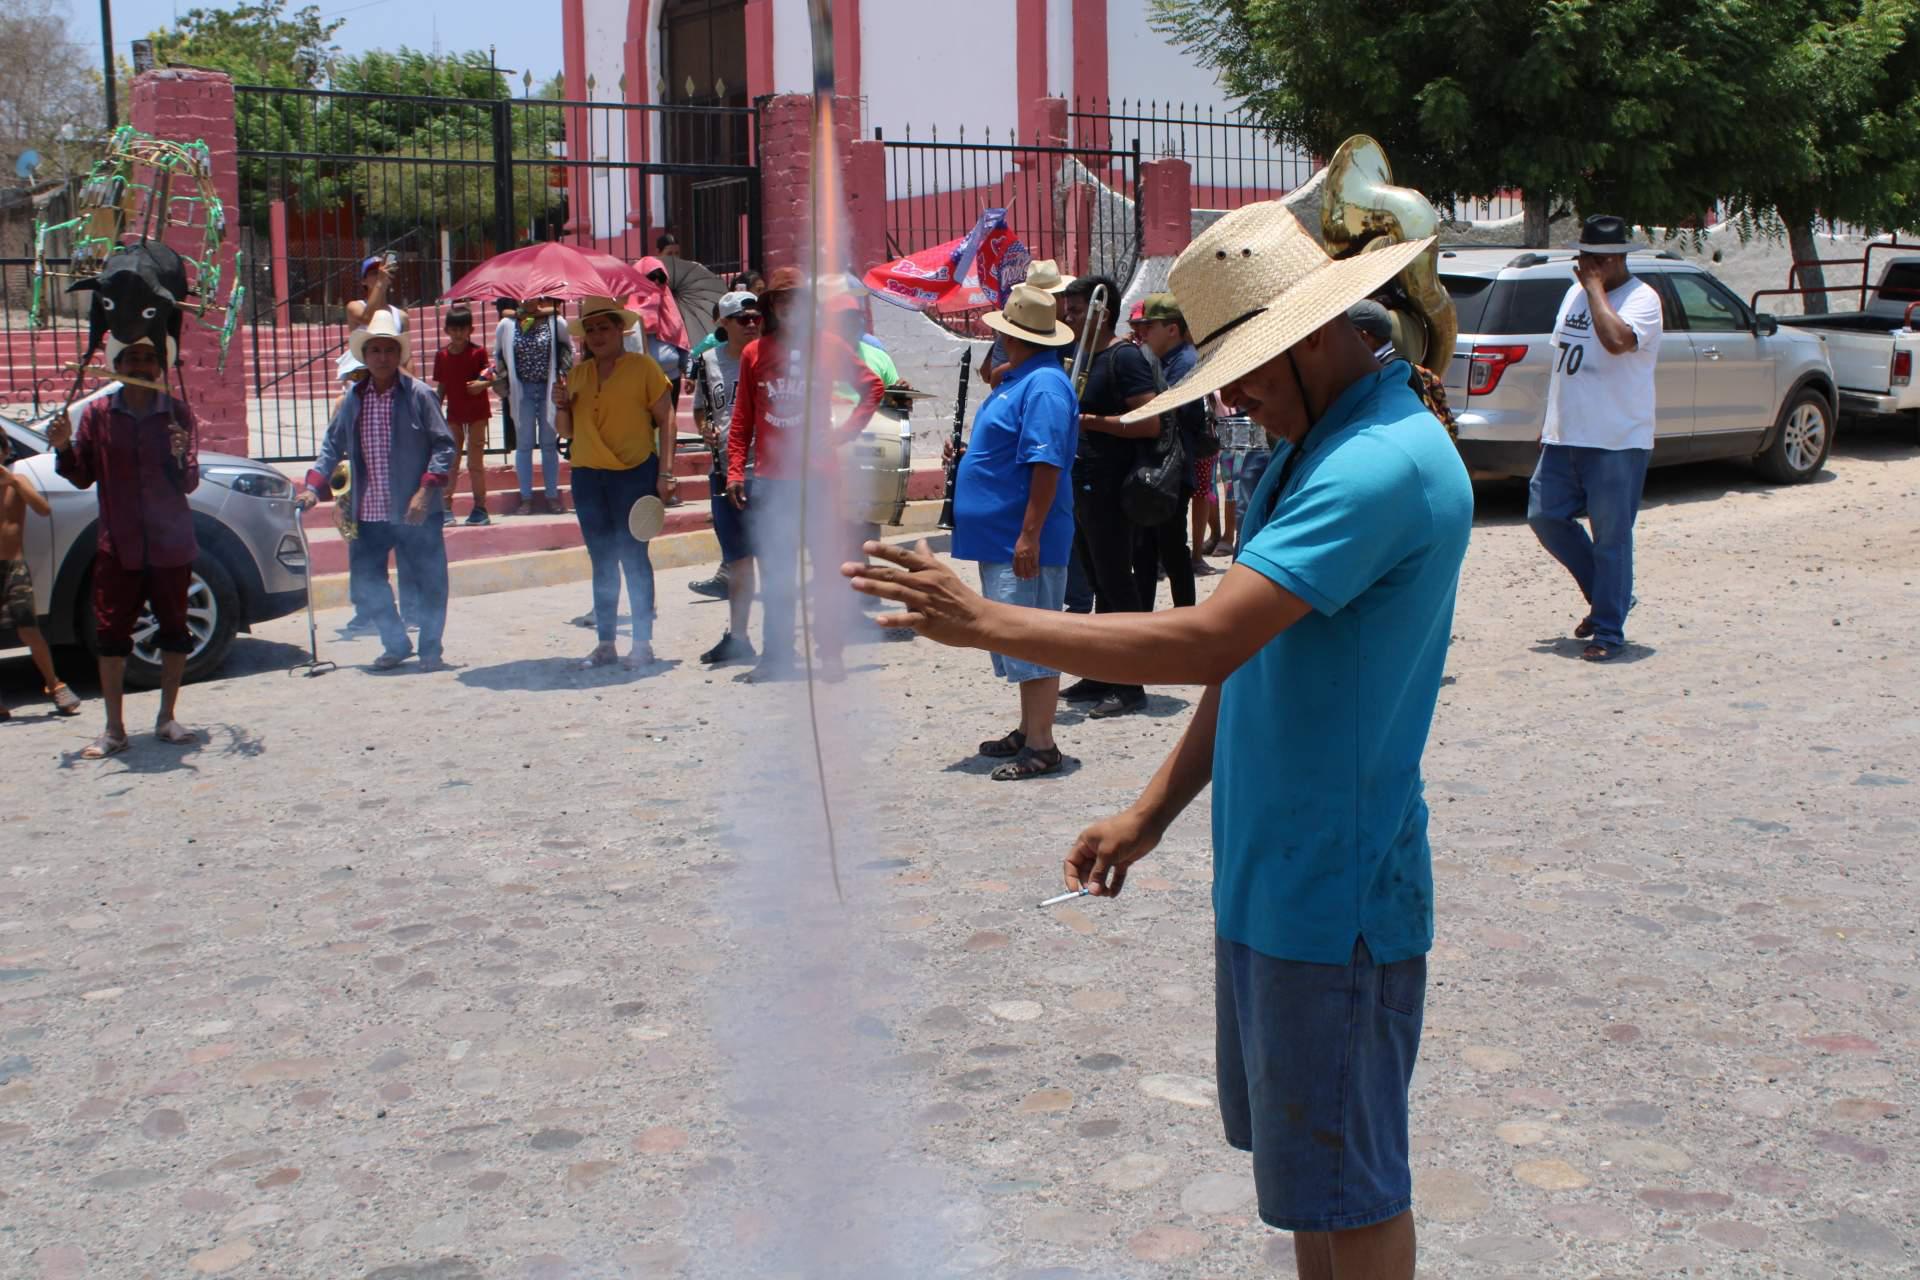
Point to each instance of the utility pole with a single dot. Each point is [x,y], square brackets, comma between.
[106,49]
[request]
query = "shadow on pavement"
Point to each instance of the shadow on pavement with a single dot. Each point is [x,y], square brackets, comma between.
[547,675]
[1568,647]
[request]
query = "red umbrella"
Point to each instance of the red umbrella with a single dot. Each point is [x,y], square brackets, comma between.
[549,270]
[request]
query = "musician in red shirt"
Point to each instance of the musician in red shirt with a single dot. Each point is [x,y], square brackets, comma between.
[770,416]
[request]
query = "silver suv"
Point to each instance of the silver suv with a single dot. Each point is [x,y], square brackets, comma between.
[1730,383]
[251,566]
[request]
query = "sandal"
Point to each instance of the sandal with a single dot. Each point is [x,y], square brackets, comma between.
[1599,653]
[173,733]
[602,656]
[103,746]
[1005,748]
[1030,763]
[1584,631]
[65,701]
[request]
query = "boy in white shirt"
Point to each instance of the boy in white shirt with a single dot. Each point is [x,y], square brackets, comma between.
[1598,435]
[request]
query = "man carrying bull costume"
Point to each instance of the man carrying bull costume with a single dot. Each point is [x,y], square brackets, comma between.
[389,429]
[137,444]
[1321,652]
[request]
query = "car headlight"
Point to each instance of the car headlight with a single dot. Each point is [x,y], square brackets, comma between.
[250,481]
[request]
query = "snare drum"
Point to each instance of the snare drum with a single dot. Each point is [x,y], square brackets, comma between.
[881,460]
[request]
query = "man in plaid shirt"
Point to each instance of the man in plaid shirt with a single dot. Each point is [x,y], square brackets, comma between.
[390,431]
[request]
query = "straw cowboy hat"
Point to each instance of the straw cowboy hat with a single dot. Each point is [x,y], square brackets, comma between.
[1029,317]
[1044,275]
[380,324]
[1255,283]
[595,305]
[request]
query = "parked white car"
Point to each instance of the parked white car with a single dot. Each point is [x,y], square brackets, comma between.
[1730,383]
[1875,349]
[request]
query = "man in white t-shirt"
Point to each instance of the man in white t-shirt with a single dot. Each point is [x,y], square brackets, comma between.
[1598,435]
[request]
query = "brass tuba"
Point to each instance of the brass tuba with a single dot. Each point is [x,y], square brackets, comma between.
[341,481]
[1361,209]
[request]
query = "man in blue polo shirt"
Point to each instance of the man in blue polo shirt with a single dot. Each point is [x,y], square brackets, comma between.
[1321,651]
[1013,507]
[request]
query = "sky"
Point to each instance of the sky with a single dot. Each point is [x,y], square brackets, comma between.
[525,35]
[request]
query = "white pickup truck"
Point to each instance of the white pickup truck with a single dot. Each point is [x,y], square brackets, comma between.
[1875,349]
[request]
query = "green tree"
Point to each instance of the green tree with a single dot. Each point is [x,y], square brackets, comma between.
[51,100]
[1852,76]
[1641,107]
[254,43]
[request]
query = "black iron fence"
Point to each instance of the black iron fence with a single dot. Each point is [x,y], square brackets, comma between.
[1078,205]
[1235,161]
[36,364]
[329,178]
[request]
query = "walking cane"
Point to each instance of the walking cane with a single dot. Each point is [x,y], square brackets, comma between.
[313,666]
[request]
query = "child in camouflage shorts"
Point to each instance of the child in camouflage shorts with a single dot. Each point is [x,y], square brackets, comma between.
[17,498]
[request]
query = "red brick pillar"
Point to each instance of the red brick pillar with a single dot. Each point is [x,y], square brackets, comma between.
[786,170]
[1166,213]
[197,106]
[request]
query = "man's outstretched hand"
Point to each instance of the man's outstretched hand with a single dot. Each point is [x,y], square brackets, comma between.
[936,603]
[1099,859]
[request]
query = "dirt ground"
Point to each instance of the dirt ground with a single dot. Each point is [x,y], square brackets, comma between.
[513,971]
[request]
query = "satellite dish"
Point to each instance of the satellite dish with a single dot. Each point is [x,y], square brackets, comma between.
[23,167]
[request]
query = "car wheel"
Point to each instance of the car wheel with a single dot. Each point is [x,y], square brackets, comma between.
[213,617]
[1799,449]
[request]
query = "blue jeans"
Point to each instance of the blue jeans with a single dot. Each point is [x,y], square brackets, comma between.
[533,416]
[1079,582]
[422,554]
[1248,469]
[602,499]
[1603,485]
[1046,590]
[1314,1062]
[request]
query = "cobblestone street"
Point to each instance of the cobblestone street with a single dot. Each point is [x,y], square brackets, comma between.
[512,971]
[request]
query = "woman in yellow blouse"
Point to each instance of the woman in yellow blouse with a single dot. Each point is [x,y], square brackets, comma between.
[617,409]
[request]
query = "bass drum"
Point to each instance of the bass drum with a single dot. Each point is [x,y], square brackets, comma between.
[882,458]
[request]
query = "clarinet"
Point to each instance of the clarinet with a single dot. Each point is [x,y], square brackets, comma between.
[959,444]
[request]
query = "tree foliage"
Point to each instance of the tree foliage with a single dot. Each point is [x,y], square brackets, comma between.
[1655,109]
[254,43]
[51,100]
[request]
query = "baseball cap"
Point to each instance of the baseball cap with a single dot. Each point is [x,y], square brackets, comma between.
[732,304]
[1162,306]
[368,264]
[1370,318]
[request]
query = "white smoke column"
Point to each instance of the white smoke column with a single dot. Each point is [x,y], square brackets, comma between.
[808,1010]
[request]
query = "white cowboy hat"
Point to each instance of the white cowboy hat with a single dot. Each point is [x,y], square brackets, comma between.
[1255,283]
[1044,274]
[380,324]
[602,306]
[1029,316]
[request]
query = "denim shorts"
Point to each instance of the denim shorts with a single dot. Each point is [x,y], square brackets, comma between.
[1314,1062]
[729,522]
[1047,591]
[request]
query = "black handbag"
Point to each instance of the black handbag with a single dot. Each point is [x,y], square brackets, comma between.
[1155,487]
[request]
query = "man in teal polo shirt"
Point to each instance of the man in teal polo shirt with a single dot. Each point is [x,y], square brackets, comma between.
[1321,651]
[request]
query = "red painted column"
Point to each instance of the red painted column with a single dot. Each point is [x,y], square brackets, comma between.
[786,168]
[846,49]
[277,245]
[197,106]
[759,49]
[1090,87]
[866,185]
[1166,207]
[1030,63]
[573,25]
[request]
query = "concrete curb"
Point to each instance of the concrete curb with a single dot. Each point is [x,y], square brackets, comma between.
[494,574]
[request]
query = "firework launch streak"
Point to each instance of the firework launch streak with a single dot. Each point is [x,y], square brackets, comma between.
[820,14]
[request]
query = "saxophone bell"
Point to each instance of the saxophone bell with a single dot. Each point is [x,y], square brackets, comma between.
[341,482]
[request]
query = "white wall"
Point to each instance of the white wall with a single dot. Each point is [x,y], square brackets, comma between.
[931,68]
[1060,49]
[792,47]
[606,44]
[1141,64]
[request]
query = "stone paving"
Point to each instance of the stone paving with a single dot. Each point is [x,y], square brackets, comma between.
[518,972]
